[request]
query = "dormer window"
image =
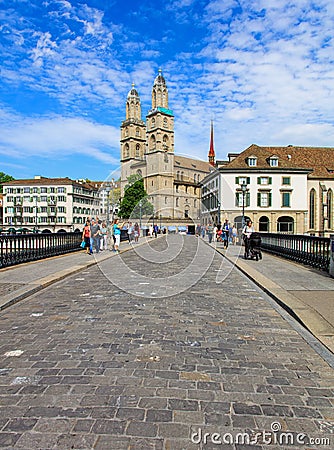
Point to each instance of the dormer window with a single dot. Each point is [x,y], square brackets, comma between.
[252,160]
[273,161]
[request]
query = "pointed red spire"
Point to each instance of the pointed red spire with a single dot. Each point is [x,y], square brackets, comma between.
[212,150]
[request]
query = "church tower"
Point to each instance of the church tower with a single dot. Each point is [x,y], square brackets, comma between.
[133,136]
[160,150]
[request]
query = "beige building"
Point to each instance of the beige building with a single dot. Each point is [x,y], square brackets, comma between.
[147,149]
[288,189]
[49,204]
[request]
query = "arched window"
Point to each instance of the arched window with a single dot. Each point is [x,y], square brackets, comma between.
[264,224]
[165,142]
[137,150]
[177,202]
[312,209]
[182,176]
[153,122]
[165,122]
[178,175]
[152,142]
[285,224]
[330,208]
[137,131]
[126,151]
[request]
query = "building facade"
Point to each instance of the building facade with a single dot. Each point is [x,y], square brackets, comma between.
[49,204]
[288,189]
[147,149]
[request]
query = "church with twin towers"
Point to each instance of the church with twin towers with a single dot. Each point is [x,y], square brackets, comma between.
[147,149]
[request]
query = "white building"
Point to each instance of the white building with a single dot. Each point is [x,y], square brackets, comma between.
[287,189]
[49,204]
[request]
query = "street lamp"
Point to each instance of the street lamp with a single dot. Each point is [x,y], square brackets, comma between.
[243,187]
[108,199]
[140,206]
[160,222]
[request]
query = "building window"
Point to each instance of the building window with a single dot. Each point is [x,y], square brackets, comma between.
[177,201]
[330,209]
[238,199]
[242,180]
[264,199]
[273,161]
[165,123]
[126,151]
[286,181]
[186,214]
[264,180]
[182,176]
[286,197]
[137,132]
[137,150]
[166,200]
[252,161]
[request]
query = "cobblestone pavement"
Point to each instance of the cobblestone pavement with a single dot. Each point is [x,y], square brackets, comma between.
[88,365]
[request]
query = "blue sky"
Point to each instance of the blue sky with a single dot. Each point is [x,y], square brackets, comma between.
[263,70]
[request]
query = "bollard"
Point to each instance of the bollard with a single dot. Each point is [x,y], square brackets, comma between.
[331,255]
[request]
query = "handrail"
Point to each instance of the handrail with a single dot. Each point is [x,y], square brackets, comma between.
[17,249]
[310,250]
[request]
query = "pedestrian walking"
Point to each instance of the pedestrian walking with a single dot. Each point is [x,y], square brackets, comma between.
[136,232]
[209,232]
[103,237]
[86,234]
[117,234]
[95,235]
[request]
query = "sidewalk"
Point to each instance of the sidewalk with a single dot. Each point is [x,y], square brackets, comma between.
[21,281]
[306,293]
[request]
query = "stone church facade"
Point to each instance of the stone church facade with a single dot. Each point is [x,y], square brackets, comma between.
[147,149]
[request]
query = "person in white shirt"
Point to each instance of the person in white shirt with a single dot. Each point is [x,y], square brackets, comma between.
[247,230]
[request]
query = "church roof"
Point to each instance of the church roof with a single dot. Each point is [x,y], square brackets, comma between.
[191,163]
[159,79]
[318,160]
[133,92]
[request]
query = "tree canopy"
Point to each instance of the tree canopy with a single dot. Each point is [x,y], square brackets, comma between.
[135,202]
[4,178]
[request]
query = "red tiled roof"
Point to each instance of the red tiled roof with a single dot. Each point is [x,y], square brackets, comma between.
[320,160]
[44,181]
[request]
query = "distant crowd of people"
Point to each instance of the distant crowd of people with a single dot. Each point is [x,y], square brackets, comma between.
[227,233]
[98,236]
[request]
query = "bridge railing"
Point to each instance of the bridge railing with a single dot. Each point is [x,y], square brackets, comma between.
[310,250]
[16,249]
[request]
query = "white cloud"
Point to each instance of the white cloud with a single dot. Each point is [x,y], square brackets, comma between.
[57,137]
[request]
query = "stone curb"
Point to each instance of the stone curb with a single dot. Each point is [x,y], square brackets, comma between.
[304,314]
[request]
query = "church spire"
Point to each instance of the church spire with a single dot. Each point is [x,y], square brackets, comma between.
[211,154]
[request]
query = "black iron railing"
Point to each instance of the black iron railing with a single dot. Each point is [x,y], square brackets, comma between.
[16,249]
[310,250]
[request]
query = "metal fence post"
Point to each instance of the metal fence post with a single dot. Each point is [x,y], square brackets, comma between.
[331,255]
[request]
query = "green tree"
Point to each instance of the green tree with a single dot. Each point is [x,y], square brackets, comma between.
[135,202]
[4,178]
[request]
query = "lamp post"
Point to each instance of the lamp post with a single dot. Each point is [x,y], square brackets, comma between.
[140,206]
[108,201]
[160,221]
[243,187]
